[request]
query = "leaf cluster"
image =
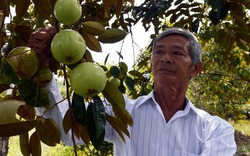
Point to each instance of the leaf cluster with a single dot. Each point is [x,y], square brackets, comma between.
[87,123]
[221,26]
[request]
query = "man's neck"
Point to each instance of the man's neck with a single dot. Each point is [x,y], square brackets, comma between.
[171,99]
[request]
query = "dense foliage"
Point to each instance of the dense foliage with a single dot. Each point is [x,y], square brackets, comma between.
[222,26]
[223,29]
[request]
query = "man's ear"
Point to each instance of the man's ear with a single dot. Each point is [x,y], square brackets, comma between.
[196,69]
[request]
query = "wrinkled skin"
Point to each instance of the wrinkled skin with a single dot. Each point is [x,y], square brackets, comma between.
[172,69]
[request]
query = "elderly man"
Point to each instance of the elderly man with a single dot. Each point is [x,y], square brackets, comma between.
[166,123]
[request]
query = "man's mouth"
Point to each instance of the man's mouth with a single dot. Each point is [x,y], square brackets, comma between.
[166,70]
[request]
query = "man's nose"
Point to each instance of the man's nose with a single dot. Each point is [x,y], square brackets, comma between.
[166,58]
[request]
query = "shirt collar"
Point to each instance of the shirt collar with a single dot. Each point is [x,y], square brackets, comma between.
[143,99]
[189,105]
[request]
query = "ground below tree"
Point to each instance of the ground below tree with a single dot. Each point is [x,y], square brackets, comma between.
[243,144]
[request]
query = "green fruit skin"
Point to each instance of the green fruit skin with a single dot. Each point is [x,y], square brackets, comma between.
[88,79]
[67,11]
[43,76]
[68,46]
[115,81]
[24,61]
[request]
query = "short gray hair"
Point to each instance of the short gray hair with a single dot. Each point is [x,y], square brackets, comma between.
[195,50]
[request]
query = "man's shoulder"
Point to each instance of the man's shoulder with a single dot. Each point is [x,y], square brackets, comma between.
[211,121]
[135,103]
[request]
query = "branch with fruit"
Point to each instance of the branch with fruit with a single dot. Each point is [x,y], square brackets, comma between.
[64,50]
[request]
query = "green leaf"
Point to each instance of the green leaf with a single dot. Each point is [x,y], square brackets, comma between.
[32,94]
[79,109]
[215,4]
[43,134]
[93,27]
[8,71]
[123,69]
[114,96]
[52,129]
[4,87]
[67,124]
[116,99]
[135,73]
[121,87]
[84,134]
[106,59]
[130,83]
[170,12]
[244,73]
[242,44]
[114,71]
[112,35]
[16,128]
[4,80]
[197,9]
[242,33]
[21,7]
[178,2]
[118,125]
[23,32]
[213,16]
[44,7]
[227,38]
[100,116]
[24,144]
[246,3]
[224,10]
[195,25]
[35,144]
[173,18]
[96,122]
[91,42]
[118,8]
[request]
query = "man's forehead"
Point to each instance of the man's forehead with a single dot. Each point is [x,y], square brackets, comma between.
[177,43]
[177,40]
[175,35]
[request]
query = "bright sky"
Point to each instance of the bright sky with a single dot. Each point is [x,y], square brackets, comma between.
[128,49]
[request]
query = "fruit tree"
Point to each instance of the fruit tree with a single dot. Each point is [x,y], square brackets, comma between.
[56,37]
[37,28]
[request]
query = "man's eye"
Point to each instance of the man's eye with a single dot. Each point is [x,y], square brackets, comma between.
[178,53]
[159,52]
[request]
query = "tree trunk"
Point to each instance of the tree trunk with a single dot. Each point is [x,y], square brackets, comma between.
[4,141]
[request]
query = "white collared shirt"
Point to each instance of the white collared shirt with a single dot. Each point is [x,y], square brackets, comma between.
[190,132]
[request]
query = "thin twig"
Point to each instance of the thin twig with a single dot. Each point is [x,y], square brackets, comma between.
[53,106]
[69,102]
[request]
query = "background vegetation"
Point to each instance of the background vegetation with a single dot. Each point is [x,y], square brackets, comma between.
[222,26]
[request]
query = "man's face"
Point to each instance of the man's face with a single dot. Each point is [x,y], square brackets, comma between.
[171,61]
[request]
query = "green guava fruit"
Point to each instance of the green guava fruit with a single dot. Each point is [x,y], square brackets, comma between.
[68,46]
[24,61]
[43,76]
[67,11]
[88,79]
